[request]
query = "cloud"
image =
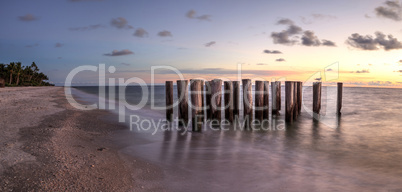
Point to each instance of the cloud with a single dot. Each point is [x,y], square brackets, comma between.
[27,17]
[209,44]
[193,15]
[59,57]
[140,32]
[390,10]
[272,52]
[120,23]
[368,42]
[284,22]
[317,16]
[400,61]
[261,64]
[119,53]
[363,71]
[190,14]
[57,45]
[380,83]
[330,69]
[399,71]
[290,35]
[309,39]
[318,79]
[86,28]
[33,45]
[165,34]
[280,60]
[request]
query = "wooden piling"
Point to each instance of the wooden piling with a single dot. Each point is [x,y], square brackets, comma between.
[299,95]
[276,97]
[295,101]
[208,99]
[316,97]
[216,100]
[182,94]
[228,101]
[196,104]
[169,100]
[204,111]
[259,100]
[339,98]
[266,100]
[236,97]
[247,103]
[289,101]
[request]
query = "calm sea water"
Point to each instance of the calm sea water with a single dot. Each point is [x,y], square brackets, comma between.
[359,151]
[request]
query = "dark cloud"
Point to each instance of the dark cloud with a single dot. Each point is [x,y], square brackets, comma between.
[57,45]
[363,71]
[120,23]
[261,64]
[209,44]
[272,52]
[400,61]
[86,28]
[309,39]
[27,17]
[140,32]
[165,34]
[323,16]
[330,69]
[290,36]
[280,60]
[328,43]
[284,22]
[318,79]
[190,14]
[368,42]
[33,45]
[193,15]
[390,10]
[119,53]
[399,71]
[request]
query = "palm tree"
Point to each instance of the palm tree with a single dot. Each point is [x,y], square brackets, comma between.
[18,69]
[11,69]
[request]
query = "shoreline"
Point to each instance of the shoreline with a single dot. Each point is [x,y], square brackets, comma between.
[49,145]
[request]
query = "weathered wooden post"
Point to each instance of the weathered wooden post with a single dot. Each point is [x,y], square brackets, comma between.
[316,97]
[289,101]
[295,101]
[266,100]
[247,103]
[236,97]
[216,100]
[299,95]
[259,100]
[208,99]
[182,94]
[339,98]
[228,101]
[196,104]
[276,97]
[169,100]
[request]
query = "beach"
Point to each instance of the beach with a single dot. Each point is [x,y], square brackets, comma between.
[46,144]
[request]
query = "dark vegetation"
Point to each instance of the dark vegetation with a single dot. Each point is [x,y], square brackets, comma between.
[14,74]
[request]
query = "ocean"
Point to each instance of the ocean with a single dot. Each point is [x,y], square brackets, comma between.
[361,150]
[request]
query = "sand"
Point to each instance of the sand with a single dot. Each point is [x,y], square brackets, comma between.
[46,144]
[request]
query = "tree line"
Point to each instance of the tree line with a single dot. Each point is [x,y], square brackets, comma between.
[14,74]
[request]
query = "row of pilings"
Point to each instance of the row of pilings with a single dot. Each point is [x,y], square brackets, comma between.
[213,105]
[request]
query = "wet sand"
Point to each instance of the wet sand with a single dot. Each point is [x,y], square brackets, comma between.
[46,144]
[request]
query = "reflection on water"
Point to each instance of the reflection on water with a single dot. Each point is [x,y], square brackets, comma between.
[362,152]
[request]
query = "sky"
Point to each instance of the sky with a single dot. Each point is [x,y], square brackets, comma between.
[358,40]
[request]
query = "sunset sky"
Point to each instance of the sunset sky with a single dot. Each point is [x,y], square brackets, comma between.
[287,40]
